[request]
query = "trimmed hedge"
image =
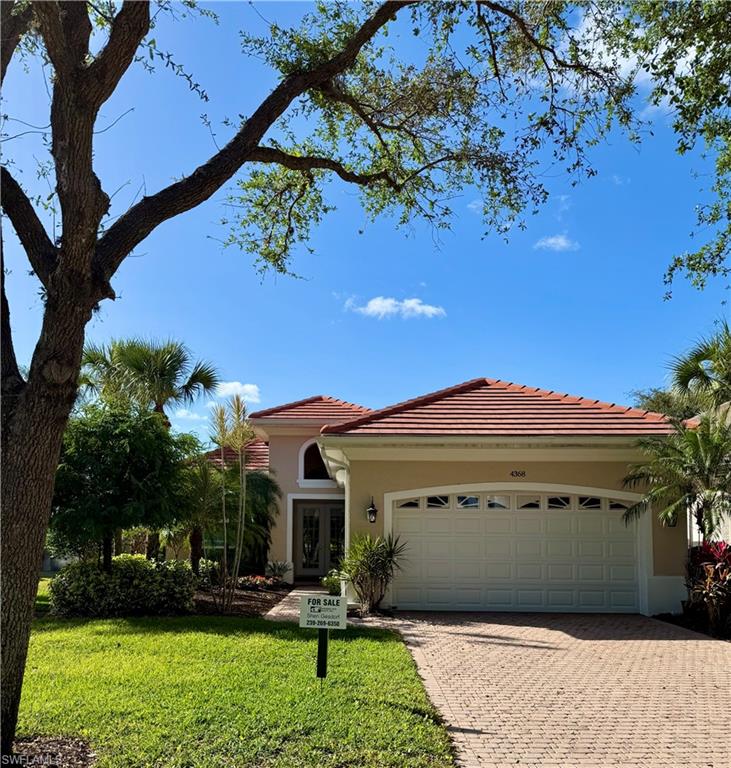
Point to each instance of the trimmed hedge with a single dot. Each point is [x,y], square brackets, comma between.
[135,587]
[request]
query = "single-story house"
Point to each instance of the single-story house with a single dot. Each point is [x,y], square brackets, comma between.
[508,497]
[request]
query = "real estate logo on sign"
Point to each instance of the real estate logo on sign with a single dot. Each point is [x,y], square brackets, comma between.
[323,612]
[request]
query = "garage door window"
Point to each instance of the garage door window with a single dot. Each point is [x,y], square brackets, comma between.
[468,502]
[437,502]
[589,502]
[408,504]
[529,502]
[559,502]
[498,502]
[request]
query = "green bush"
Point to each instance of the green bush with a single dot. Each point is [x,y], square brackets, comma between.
[331,582]
[135,587]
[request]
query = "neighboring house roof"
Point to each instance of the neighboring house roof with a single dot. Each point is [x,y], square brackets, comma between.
[319,407]
[493,407]
[257,456]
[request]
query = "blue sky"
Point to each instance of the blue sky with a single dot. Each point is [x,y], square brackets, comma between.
[573,303]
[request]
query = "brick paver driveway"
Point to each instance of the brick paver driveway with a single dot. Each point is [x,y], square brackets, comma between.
[575,690]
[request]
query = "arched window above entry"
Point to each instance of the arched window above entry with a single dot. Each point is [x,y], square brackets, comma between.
[312,472]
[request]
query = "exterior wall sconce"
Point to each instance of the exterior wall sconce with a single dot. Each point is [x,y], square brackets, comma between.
[372,512]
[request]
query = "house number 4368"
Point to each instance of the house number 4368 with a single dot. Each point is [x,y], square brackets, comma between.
[517,473]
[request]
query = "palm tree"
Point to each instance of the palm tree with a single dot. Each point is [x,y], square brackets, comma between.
[690,471]
[262,497]
[152,373]
[204,491]
[705,369]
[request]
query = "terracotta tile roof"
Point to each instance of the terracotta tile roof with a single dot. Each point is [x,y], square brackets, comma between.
[257,456]
[319,407]
[493,407]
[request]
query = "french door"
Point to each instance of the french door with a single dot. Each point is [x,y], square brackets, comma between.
[319,537]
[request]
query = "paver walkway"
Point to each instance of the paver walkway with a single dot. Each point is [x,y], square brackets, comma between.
[569,691]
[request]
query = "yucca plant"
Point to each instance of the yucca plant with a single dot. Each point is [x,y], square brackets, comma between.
[370,565]
[687,472]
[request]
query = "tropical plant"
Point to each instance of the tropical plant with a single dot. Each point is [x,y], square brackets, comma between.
[686,472]
[231,430]
[370,565]
[151,373]
[119,468]
[705,370]
[709,583]
[670,402]
[203,487]
[277,569]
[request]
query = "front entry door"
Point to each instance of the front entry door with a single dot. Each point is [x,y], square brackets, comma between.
[319,537]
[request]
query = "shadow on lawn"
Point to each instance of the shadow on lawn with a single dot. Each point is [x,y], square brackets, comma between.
[217,625]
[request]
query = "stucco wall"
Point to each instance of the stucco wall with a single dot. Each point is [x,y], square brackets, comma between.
[283,459]
[375,478]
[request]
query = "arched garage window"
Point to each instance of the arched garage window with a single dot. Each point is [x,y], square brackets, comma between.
[312,470]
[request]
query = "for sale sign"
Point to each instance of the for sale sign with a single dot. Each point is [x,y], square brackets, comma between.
[323,612]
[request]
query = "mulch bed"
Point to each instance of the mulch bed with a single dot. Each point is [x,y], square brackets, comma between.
[51,752]
[246,602]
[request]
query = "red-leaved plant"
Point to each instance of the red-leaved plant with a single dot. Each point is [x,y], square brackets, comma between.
[709,582]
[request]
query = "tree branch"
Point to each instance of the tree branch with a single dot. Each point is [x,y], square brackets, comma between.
[131,228]
[312,163]
[12,380]
[13,24]
[41,252]
[129,28]
[543,48]
[66,29]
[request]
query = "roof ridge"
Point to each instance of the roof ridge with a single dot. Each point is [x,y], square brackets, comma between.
[465,386]
[294,403]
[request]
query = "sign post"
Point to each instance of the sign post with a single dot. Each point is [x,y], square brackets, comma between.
[323,612]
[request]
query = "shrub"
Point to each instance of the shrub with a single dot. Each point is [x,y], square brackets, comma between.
[208,572]
[135,587]
[277,570]
[709,584]
[331,582]
[370,565]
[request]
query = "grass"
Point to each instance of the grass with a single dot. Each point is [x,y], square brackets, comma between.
[216,691]
[42,596]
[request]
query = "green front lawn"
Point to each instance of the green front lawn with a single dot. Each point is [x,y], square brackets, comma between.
[212,691]
[42,596]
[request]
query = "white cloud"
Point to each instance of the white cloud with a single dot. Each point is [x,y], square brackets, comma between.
[476,205]
[620,181]
[387,306]
[187,415]
[249,392]
[557,243]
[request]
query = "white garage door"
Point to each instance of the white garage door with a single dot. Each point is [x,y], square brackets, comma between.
[513,551]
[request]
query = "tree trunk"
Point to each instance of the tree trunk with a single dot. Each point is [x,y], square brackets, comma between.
[153,545]
[107,546]
[196,548]
[118,543]
[33,422]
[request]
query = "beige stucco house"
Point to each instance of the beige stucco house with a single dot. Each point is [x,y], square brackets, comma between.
[508,498]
